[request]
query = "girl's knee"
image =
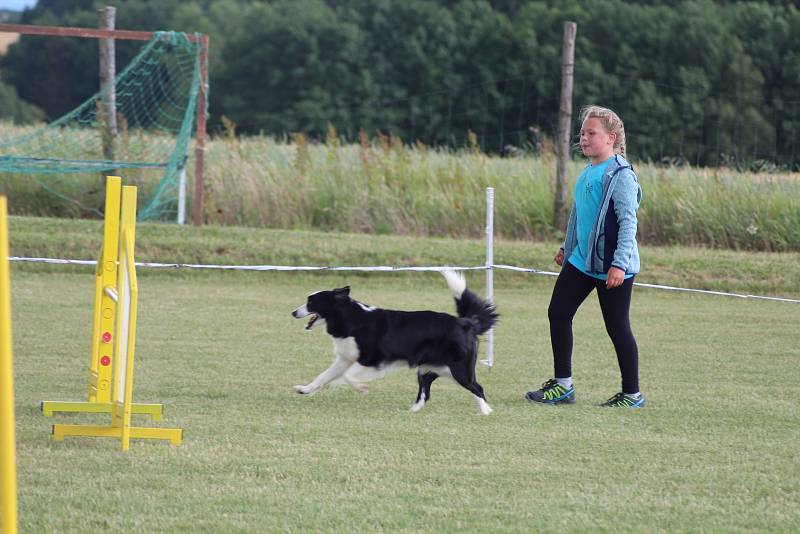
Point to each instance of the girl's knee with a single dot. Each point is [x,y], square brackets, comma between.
[558,315]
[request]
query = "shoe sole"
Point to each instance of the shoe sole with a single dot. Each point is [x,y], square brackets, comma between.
[567,400]
[633,407]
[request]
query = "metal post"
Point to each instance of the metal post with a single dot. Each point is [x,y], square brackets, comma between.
[489,361]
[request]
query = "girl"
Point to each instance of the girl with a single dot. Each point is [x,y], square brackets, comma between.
[599,252]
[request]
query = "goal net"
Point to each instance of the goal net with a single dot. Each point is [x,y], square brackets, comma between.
[156,98]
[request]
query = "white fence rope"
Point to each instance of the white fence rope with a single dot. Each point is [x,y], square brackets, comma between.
[383,268]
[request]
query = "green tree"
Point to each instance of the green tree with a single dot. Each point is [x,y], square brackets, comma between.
[769,36]
[51,72]
[58,74]
[292,67]
[13,108]
[488,56]
[407,72]
[696,81]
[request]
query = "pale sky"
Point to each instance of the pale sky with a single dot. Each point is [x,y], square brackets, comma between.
[16,5]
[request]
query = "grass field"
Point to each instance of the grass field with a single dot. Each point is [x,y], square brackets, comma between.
[714,450]
[758,273]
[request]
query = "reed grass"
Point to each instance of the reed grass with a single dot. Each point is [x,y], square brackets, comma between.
[382,189]
[381,185]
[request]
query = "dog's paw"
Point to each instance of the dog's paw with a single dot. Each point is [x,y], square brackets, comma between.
[304,390]
[417,406]
[484,407]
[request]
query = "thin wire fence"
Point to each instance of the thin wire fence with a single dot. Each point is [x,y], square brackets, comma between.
[508,115]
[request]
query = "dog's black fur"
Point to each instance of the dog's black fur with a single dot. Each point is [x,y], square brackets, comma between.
[367,341]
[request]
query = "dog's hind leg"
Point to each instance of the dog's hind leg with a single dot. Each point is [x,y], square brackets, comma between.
[467,379]
[358,375]
[424,395]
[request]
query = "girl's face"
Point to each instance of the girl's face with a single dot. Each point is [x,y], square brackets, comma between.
[596,142]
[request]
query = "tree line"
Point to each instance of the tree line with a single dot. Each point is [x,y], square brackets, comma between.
[698,81]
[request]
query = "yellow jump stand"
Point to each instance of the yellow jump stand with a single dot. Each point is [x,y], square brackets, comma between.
[8,447]
[123,347]
[101,364]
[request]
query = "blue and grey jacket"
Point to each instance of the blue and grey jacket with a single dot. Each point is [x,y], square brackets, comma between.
[612,241]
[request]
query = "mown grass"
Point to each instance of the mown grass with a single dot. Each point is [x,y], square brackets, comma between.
[383,186]
[761,273]
[714,450]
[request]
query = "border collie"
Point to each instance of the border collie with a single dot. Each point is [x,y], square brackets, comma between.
[368,342]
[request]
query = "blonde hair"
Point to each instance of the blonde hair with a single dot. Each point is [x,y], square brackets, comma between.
[611,123]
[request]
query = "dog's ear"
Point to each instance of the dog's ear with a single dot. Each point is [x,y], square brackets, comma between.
[342,292]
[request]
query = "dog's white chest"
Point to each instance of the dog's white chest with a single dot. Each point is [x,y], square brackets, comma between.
[346,348]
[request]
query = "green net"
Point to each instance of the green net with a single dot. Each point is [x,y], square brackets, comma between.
[156,99]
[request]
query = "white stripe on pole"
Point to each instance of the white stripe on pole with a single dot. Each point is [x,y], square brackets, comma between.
[489,361]
[182,197]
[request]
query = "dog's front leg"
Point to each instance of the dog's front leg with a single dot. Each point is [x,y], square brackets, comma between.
[337,369]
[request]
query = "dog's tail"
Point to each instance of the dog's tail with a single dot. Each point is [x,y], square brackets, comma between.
[481,313]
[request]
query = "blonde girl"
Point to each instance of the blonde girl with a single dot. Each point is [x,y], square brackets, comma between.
[599,253]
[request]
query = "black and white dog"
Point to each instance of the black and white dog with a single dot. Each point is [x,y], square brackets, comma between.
[368,342]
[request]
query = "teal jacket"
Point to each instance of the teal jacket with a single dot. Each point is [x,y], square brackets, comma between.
[612,241]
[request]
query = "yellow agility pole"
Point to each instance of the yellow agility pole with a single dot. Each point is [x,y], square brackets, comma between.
[8,444]
[124,346]
[104,306]
[103,320]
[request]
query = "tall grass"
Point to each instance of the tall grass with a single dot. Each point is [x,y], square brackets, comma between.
[59,193]
[720,208]
[382,186]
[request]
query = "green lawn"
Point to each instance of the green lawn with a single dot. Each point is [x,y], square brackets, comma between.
[714,450]
[758,273]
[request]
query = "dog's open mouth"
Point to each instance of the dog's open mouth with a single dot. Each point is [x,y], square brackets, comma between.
[311,321]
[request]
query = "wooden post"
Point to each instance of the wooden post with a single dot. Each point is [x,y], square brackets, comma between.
[564,125]
[108,71]
[90,33]
[200,147]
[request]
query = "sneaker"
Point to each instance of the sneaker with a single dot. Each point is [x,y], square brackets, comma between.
[623,400]
[552,393]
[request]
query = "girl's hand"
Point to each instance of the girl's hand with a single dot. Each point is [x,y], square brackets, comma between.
[560,257]
[615,278]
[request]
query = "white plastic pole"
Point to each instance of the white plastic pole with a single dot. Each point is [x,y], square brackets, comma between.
[489,361]
[182,197]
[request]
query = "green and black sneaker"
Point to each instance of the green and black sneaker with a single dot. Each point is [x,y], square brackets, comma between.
[552,393]
[623,400]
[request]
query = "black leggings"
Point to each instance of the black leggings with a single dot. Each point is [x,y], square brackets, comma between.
[571,289]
